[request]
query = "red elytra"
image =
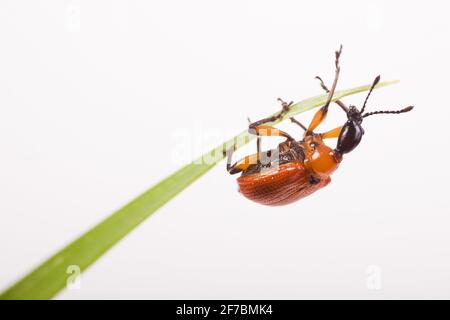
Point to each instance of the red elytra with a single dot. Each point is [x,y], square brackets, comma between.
[286,184]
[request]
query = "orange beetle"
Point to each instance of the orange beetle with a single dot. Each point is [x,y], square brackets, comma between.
[296,169]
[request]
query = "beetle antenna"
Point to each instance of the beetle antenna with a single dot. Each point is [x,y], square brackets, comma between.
[392,111]
[375,82]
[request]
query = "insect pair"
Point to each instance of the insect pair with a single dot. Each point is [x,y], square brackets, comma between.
[300,167]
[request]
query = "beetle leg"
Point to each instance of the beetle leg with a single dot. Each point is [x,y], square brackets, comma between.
[269,131]
[293,120]
[333,133]
[265,130]
[258,138]
[242,164]
[229,154]
[338,102]
[260,129]
[322,113]
[285,108]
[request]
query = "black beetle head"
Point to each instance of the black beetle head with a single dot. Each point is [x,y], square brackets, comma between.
[352,131]
[354,115]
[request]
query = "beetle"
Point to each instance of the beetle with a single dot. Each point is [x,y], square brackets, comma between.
[296,169]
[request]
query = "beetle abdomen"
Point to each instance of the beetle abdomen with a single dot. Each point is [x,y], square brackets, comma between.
[279,186]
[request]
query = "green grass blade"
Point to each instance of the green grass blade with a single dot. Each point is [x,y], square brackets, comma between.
[50,277]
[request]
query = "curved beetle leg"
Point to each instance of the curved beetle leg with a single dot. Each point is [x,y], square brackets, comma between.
[322,113]
[260,129]
[333,133]
[229,154]
[242,164]
[285,109]
[338,102]
[293,120]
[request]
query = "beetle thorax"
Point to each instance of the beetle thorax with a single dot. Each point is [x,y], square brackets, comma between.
[319,157]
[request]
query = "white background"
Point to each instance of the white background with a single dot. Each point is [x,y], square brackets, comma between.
[95,97]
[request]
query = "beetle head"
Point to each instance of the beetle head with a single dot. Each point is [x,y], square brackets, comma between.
[352,131]
[354,115]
